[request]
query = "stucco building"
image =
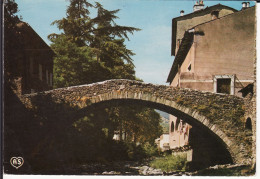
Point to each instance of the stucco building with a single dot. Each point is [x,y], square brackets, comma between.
[163,142]
[217,55]
[214,51]
[180,25]
[179,133]
[199,15]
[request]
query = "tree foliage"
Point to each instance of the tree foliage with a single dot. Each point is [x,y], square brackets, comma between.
[140,124]
[11,38]
[90,49]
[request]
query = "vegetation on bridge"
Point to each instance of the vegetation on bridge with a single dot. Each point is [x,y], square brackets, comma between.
[212,108]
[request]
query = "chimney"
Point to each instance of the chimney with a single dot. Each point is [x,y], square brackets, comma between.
[198,6]
[182,12]
[214,15]
[244,5]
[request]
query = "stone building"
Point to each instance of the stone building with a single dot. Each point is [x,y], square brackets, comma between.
[33,63]
[214,51]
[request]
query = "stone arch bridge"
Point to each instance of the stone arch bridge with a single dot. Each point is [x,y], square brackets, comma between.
[221,115]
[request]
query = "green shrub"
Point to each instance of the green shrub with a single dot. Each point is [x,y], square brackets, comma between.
[150,150]
[170,163]
[135,152]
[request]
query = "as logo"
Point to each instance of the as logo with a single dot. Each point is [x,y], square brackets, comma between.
[16,162]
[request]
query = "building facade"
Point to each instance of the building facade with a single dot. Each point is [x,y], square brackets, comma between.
[163,142]
[178,133]
[33,64]
[180,25]
[198,16]
[214,51]
[217,56]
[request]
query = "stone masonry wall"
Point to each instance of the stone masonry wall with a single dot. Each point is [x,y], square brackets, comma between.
[221,114]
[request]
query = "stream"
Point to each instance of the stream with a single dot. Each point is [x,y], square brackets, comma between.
[119,168]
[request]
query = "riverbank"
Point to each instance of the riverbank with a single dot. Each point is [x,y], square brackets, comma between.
[134,168]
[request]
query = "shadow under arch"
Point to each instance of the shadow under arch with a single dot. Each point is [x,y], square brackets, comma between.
[224,154]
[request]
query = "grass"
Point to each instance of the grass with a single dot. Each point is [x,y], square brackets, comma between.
[169,163]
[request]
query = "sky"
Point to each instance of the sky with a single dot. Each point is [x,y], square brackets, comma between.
[152,45]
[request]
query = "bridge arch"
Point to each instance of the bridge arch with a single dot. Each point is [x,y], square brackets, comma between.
[194,106]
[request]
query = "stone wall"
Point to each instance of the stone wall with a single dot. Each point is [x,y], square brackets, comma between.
[183,151]
[218,114]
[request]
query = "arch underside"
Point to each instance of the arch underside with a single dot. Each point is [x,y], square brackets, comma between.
[221,151]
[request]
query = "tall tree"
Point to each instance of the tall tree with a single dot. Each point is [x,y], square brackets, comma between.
[75,65]
[109,36]
[91,49]
[100,36]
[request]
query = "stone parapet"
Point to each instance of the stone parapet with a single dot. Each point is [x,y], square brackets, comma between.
[220,114]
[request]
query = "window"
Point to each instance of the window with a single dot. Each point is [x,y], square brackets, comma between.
[47,76]
[248,124]
[50,79]
[31,65]
[189,68]
[177,123]
[40,71]
[224,84]
[172,127]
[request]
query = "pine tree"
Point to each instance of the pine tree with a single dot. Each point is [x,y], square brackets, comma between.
[100,36]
